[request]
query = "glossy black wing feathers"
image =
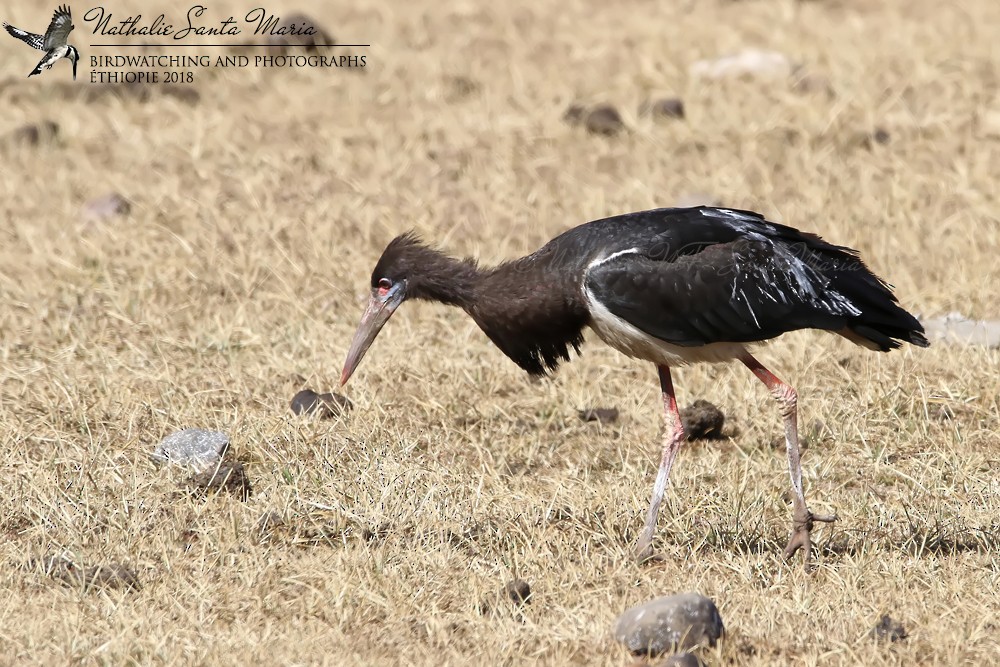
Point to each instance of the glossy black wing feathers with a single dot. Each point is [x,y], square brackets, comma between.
[705,275]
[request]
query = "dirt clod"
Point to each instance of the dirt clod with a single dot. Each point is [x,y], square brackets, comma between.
[230,476]
[888,630]
[604,119]
[702,421]
[519,591]
[877,137]
[326,406]
[574,114]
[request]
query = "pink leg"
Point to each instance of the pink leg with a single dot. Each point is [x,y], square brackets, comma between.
[802,518]
[673,438]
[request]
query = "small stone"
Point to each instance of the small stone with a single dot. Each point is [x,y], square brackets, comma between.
[519,591]
[114,576]
[194,448]
[677,622]
[229,476]
[306,43]
[749,62]
[574,114]
[107,206]
[702,421]
[681,660]
[600,415]
[663,108]
[326,406]
[516,591]
[33,134]
[877,136]
[604,119]
[888,629]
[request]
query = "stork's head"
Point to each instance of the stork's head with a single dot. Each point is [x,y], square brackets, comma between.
[408,269]
[74,57]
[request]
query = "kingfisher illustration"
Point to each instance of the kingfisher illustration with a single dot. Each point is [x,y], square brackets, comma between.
[54,42]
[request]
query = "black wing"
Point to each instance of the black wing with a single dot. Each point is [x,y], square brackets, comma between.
[59,28]
[29,38]
[731,276]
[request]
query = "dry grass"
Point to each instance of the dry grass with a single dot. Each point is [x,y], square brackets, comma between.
[258,214]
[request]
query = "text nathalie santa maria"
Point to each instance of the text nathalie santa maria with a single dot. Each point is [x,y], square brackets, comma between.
[259,19]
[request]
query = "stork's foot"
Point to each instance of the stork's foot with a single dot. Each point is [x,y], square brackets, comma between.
[802,525]
[642,551]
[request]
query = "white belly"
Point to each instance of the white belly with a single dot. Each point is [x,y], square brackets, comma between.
[629,340]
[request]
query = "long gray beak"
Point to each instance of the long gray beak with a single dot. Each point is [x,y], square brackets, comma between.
[380,309]
[75,61]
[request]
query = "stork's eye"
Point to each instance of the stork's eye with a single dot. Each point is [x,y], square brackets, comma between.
[383,286]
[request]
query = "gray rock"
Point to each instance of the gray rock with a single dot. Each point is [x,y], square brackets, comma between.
[677,622]
[748,62]
[193,448]
[957,329]
[107,206]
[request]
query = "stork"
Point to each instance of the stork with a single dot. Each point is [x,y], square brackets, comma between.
[672,286]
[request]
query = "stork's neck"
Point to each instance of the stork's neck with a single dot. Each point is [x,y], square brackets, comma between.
[531,308]
[445,279]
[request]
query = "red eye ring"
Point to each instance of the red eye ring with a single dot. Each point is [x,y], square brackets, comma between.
[383,286]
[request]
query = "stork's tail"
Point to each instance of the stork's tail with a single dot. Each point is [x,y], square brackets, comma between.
[883,324]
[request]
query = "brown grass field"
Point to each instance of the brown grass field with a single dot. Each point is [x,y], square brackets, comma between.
[257,215]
